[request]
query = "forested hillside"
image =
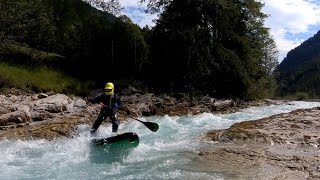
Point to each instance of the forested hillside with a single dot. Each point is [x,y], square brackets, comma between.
[211,47]
[88,43]
[300,70]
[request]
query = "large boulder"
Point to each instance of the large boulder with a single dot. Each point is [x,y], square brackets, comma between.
[299,128]
[26,108]
[55,103]
[15,117]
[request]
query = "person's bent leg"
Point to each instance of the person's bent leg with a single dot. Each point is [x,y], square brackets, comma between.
[98,122]
[115,123]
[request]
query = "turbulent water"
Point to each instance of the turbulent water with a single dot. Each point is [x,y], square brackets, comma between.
[164,154]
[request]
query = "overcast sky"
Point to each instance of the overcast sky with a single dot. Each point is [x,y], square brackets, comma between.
[290,21]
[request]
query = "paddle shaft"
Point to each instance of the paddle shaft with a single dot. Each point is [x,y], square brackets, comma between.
[150,125]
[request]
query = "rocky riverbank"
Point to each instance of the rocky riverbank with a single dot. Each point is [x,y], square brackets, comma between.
[48,116]
[284,146]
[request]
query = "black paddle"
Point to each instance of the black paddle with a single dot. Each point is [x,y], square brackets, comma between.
[150,125]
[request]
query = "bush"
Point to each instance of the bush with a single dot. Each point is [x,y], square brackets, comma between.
[298,96]
[41,80]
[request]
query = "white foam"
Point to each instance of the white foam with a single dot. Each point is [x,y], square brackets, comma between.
[160,155]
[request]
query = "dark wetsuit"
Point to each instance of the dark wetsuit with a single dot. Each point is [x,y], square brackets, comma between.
[111,101]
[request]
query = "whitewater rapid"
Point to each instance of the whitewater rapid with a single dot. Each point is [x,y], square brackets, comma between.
[165,154]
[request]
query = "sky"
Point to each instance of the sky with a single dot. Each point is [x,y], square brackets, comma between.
[290,21]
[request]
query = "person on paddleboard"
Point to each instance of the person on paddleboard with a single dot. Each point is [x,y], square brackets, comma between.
[110,105]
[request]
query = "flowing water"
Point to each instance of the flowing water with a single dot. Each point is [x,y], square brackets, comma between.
[164,154]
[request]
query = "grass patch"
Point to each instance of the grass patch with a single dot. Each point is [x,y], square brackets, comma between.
[33,53]
[41,79]
[299,96]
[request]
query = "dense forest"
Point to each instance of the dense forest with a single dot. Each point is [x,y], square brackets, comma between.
[300,70]
[220,48]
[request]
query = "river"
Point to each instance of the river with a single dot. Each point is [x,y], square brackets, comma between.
[165,154]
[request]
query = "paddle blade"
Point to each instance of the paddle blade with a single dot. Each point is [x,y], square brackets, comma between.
[151,125]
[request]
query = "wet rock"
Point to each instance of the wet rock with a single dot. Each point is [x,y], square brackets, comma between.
[80,103]
[15,117]
[57,127]
[222,104]
[301,127]
[3,110]
[288,141]
[40,116]
[257,161]
[54,103]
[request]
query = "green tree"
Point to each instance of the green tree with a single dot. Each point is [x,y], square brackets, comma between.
[213,46]
[155,6]
[28,21]
[111,6]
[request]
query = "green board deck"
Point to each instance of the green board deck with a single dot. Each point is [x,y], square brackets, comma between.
[128,139]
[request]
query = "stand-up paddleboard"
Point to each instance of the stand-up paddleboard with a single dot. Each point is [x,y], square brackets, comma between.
[128,139]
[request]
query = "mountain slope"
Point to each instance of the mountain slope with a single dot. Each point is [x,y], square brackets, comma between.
[300,70]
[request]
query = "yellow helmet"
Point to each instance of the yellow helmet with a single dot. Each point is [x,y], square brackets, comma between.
[109,88]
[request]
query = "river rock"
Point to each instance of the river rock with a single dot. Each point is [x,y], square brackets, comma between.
[16,117]
[55,103]
[4,110]
[300,127]
[286,144]
[80,103]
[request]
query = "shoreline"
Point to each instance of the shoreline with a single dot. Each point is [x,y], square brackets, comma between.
[276,147]
[282,146]
[50,116]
